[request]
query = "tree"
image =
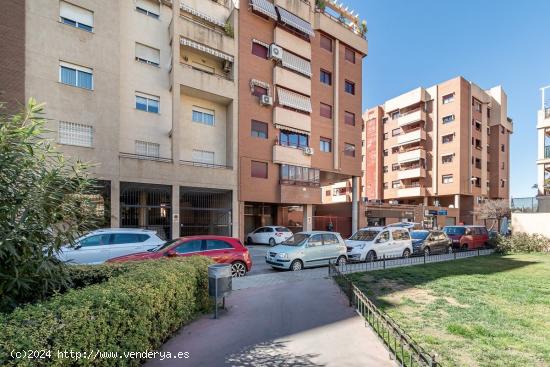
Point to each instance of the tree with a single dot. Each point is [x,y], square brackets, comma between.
[494,209]
[45,203]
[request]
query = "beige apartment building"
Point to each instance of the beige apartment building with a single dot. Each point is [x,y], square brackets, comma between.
[444,146]
[543,155]
[145,89]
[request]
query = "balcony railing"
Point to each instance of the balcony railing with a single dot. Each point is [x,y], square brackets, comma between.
[547,152]
[217,75]
[546,112]
[145,157]
[204,165]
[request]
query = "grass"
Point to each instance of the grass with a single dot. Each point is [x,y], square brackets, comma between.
[483,311]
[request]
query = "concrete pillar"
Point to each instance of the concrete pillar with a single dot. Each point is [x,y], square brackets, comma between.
[175,211]
[425,201]
[308,217]
[354,204]
[115,204]
[457,201]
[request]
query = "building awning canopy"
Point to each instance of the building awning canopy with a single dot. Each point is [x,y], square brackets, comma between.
[293,100]
[292,129]
[198,46]
[198,14]
[295,21]
[265,7]
[296,63]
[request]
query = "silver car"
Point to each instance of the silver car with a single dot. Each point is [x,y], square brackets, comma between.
[307,249]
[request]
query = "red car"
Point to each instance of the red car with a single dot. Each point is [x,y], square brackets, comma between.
[468,237]
[225,250]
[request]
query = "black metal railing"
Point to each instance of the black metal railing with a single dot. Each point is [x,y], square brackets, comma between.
[145,157]
[205,165]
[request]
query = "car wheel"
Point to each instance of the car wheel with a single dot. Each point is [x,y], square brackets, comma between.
[249,241]
[296,265]
[450,249]
[341,261]
[238,269]
[272,242]
[465,247]
[371,256]
[406,252]
[426,251]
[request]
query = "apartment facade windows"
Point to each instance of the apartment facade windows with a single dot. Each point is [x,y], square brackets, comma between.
[302,176]
[70,133]
[449,118]
[326,42]
[448,158]
[258,129]
[445,139]
[349,87]
[147,103]
[148,149]
[349,118]
[385,153]
[258,91]
[476,104]
[448,98]
[325,110]
[294,140]
[395,167]
[396,132]
[77,76]
[394,115]
[259,50]
[325,145]
[147,55]
[203,156]
[203,116]
[349,150]
[326,77]
[258,169]
[385,186]
[76,16]
[447,179]
[396,184]
[350,55]
[502,147]
[148,7]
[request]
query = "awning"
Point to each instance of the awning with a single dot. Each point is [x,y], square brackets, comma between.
[417,140]
[265,7]
[296,63]
[206,17]
[292,129]
[187,42]
[295,21]
[293,100]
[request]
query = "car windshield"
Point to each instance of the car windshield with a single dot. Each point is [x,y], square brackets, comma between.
[454,230]
[163,246]
[297,240]
[419,235]
[364,235]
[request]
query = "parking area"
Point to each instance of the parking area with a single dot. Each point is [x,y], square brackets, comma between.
[259,266]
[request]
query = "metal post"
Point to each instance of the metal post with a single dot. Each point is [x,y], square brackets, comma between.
[216,300]
[384,261]
[424,257]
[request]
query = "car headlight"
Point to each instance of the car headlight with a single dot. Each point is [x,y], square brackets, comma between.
[282,255]
[362,246]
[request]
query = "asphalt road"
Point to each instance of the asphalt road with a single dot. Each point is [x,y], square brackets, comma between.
[259,266]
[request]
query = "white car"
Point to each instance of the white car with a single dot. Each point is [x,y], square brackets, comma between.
[370,243]
[101,245]
[269,235]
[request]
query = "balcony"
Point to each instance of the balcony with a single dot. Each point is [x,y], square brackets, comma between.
[300,8]
[213,37]
[410,156]
[292,80]
[410,137]
[411,118]
[547,152]
[343,29]
[283,117]
[414,191]
[292,156]
[292,43]
[300,194]
[216,84]
[416,172]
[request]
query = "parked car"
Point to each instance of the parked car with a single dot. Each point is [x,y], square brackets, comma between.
[407,225]
[428,242]
[223,250]
[100,245]
[269,235]
[369,243]
[467,237]
[307,249]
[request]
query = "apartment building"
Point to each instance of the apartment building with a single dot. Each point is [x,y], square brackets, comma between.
[543,156]
[145,89]
[300,108]
[444,146]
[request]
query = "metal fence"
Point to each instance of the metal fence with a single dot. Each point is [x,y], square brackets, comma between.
[403,349]
[540,204]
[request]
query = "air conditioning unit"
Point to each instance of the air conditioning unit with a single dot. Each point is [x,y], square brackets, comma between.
[308,151]
[266,100]
[275,52]
[226,66]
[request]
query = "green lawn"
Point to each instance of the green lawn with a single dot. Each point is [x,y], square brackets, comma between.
[484,311]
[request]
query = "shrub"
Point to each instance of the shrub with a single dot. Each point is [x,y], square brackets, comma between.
[522,242]
[85,275]
[134,311]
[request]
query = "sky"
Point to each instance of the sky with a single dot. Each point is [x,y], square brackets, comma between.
[416,43]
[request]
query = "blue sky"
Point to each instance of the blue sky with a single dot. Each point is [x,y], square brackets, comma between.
[423,42]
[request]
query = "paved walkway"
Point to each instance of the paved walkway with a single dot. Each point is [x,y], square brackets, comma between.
[278,320]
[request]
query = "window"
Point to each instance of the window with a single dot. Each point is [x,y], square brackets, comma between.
[327,192]
[447,138]
[488,131]
[77,76]
[326,77]
[258,129]
[203,116]
[350,55]
[395,167]
[477,163]
[385,169]
[259,50]
[385,185]
[217,245]
[258,91]
[401,234]
[477,182]
[448,98]
[203,156]
[147,103]
[449,118]
[326,43]
[385,136]
[385,152]
[396,184]
[147,55]
[330,239]
[294,140]
[394,150]
[503,166]
[477,143]
[503,130]
[315,241]
[189,247]
[476,104]
[478,125]
[349,118]
[447,158]
[502,148]
[349,150]
[76,16]
[349,87]
[326,145]
[394,115]
[148,149]
[502,183]
[488,112]
[326,110]
[71,133]
[258,169]
[447,179]
[303,176]
[396,132]
[97,240]
[148,7]
[122,238]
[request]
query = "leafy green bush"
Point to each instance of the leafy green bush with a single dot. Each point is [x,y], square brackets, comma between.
[137,310]
[522,242]
[84,275]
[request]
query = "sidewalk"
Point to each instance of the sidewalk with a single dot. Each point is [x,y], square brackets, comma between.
[298,322]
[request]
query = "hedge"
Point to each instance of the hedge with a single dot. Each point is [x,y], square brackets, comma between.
[521,242]
[134,311]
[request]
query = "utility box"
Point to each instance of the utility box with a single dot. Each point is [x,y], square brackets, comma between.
[220,283]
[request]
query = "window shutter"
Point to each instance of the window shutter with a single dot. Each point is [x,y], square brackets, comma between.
[76,13]
[147,53]
[150,6]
